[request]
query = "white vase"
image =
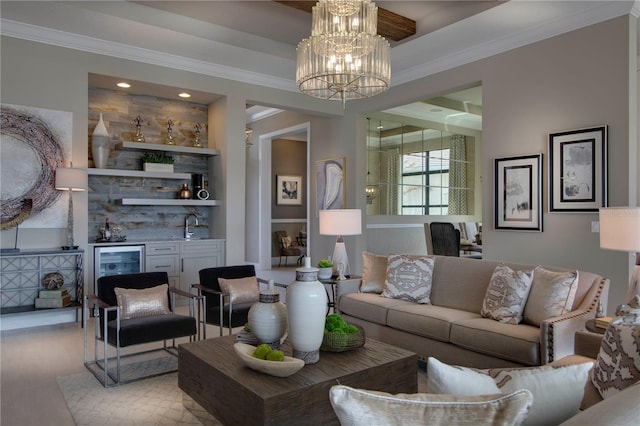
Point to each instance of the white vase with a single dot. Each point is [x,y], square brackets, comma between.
[307,309]
[100,145]
[268,317]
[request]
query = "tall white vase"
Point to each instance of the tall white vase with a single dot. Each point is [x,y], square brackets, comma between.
[100,146]
[307,309]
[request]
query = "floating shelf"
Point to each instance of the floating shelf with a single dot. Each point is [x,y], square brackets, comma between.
[167,202]
[142,146]
[138,173]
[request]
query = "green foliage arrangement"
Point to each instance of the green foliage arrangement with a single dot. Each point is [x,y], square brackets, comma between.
[157,157]
[325,263]
[264,351]
[336,324]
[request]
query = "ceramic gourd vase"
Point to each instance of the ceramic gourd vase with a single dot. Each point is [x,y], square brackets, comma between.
[268,317]
[307,310]
[100,146]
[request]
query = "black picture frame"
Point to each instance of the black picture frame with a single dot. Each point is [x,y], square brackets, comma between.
[518,193]
[578,170]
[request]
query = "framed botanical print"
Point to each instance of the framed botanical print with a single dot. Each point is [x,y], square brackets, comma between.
[578,170]
[289,190]
[518,193]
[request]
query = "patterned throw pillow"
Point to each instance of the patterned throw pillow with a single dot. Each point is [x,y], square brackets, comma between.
[409,278]
[618,363]
[552,294]
[146,302]
[374,270]
[506,295]
[240,290]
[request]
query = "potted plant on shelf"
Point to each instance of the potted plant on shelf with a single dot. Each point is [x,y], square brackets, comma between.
[325,269]
[157,162]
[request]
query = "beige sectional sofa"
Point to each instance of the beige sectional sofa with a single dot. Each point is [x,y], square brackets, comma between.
[452,329]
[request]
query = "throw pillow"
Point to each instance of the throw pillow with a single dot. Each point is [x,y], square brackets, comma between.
[146,302]
[618,363]
[408,277]
[286,242]
[552,294]
[374,270]
[240,290]
[557,391]
[506,295]
[363,407]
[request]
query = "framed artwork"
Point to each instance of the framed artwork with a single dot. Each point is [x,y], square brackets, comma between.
[518,193]
[578,170]
[331,183]
[289,190]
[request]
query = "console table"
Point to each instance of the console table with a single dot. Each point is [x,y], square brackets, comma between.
[21,276]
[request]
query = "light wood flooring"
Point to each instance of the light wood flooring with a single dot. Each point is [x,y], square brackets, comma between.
[32,358]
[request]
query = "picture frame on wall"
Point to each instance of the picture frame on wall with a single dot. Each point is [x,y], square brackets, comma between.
[578,170]
[331,183]
[289,190]
[518,193]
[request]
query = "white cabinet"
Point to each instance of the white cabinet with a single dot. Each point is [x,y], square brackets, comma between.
[182,260]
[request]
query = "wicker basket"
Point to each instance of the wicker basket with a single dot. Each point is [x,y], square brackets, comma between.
[335,342]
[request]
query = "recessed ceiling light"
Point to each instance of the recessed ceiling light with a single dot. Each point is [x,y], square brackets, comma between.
[184,95]
[123,85]
[380,127]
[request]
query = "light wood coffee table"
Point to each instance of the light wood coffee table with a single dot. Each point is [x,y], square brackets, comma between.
[211,373]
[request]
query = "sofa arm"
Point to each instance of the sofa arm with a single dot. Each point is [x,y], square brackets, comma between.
[345,287]
[557,334]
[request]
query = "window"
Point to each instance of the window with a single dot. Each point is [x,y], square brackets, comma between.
[425,183]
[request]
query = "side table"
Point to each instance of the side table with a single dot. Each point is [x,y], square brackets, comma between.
[334,294]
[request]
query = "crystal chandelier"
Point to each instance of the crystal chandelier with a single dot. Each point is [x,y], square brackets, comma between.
[344,58]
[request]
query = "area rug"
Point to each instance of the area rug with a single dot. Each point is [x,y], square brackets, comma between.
[154,401]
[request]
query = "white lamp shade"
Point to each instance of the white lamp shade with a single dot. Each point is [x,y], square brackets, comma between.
[620,228]
[340,222]
[69,179]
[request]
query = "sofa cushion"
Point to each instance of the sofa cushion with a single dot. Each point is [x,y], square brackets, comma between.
[426,320]
[507,294]
[369,306]
[618,363]
[552,294]
[557,391]
[374,271]
[364,407]
[519,343]
[409,277]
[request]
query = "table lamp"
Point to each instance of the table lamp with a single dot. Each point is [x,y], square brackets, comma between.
[340,222]
[620,230]
[70,179]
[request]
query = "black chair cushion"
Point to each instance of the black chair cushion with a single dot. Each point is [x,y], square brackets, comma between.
[151,329]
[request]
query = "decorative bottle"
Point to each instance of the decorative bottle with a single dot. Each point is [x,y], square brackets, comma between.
[307,310]
[185,192]
[268,317]
[107,230]
[100,146]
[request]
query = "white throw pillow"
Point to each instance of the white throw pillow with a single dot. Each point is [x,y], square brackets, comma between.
[357,407]
[506,295]
[552,294]
[557,391]
[409,278]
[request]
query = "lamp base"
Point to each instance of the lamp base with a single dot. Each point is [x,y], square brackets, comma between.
[340,261]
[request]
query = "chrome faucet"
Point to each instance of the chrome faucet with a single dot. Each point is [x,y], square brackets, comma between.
[187,234]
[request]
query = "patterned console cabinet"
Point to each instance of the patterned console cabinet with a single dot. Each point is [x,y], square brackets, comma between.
[21,277]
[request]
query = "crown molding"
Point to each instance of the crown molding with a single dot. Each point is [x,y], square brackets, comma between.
[123,51]
[635,9]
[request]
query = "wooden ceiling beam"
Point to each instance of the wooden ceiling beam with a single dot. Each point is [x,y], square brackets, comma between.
[390,25]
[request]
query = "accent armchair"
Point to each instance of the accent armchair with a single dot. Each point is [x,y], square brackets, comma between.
[133,309]
[289,248]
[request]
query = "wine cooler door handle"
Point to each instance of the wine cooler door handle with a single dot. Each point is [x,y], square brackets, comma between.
[182,265]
